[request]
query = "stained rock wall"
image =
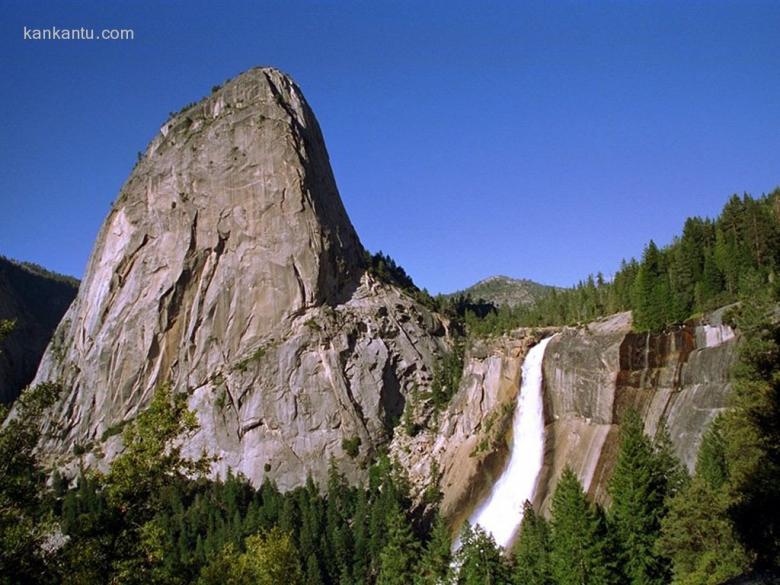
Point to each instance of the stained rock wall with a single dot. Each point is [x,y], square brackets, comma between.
[594,374]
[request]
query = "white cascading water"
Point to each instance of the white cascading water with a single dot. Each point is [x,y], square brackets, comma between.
[715,335]
[501,513]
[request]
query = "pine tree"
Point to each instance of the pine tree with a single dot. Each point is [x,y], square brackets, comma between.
[699,538]
[710,287]
[752,430]
[339,558]
[434,565]
[580,552]
[711,464]
[638,489]
[532,551]
[361,538]
[313,574]
[480,560]
[651,294]
[400,555]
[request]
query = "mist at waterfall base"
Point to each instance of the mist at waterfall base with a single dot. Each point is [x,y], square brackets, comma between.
[501,513]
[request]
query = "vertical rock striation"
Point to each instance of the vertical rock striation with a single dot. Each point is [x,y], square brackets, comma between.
[228,268]
[593,375]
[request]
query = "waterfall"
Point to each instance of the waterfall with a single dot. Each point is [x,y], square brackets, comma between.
[500,514]
[715,335]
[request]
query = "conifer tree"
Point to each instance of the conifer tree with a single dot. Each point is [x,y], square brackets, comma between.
[711,464]
[532,551]
[638,489]
[400,555]
[752,431]
[699,537]
[313,575]
[361,538]
[434,565]
[480,560]
[580,553]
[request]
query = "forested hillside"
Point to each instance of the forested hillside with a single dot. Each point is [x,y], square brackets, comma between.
[32,302]
[706,267]
[505,291]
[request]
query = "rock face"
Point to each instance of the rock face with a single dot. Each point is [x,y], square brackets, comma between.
[229,268]
[593,375]
[36,300]
[463,452]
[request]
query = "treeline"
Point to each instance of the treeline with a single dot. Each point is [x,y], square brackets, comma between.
[146,521]
[704,268]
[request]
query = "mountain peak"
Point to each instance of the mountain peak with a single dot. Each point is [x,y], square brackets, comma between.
[229,269]
[505,290]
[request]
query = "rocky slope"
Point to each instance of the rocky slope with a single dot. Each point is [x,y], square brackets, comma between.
[502,290]
[36,300]
[229,268]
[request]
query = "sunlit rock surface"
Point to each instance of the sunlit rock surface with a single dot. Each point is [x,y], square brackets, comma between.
[594,374]
[229,268]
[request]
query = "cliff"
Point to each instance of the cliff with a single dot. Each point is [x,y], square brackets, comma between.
[36,300]
[592,375]
[679,378]
[228,268]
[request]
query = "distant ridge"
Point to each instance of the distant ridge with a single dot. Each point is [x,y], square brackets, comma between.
[35,299]
[505,291]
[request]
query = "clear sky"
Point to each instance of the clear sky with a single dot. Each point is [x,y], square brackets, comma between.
[543,140]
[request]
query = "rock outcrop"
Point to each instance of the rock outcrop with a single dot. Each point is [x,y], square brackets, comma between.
[593,375]
[228,268]
[462,451]
[35,299]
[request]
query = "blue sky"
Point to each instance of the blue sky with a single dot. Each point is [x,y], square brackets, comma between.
[543,140]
